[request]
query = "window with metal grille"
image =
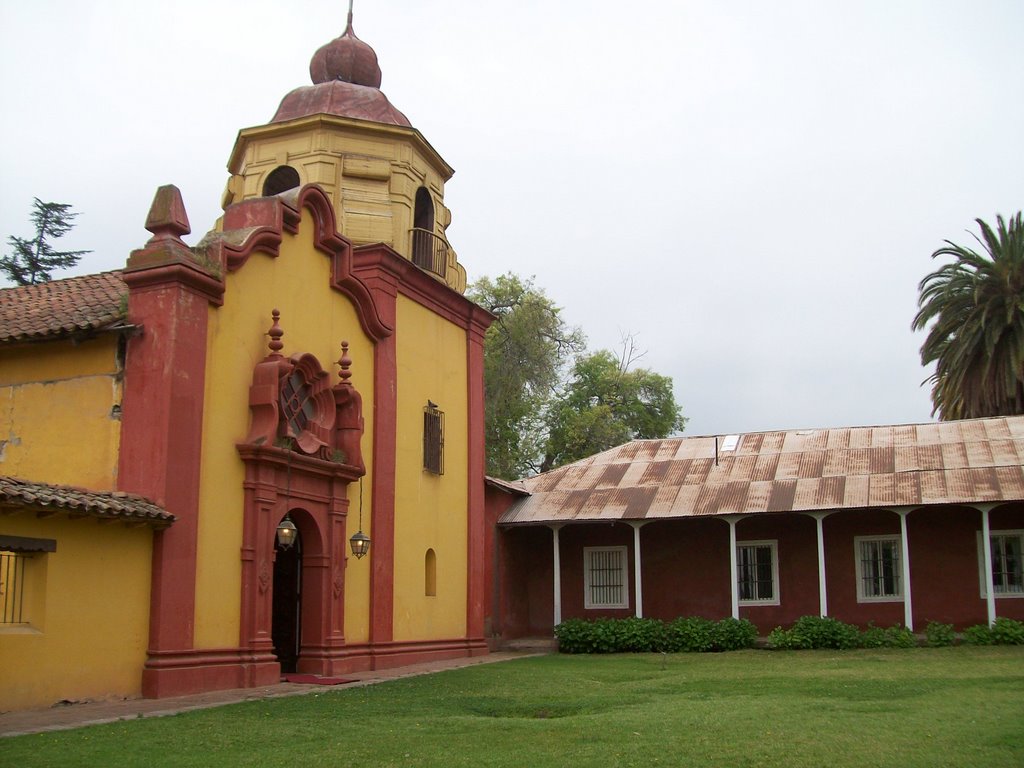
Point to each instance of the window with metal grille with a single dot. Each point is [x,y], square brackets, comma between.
[878,568]
[604,577]
[1007,564]
[433,439]
[12,587]
[22,581]
[757,573]
[296,402]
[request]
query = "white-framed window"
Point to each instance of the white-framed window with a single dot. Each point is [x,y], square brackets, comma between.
[757,572]
[1007,563]
[605,573]
[879,563]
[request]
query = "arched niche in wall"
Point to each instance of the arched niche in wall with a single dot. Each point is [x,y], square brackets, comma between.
[430,574]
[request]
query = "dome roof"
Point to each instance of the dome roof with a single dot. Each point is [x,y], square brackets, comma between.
[342,99]
[346,58]
[346,83]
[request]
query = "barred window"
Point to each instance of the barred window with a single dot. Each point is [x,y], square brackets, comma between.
[1007,564]
[433,439]
[12,587]
[604,577]
[878,568]
[757,573]
[20,580]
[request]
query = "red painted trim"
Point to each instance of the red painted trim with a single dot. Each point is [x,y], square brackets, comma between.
[476,584]
[190,277]
[380,262]
[188,672]
[184,672]
[382,513]
[161,430]
[399,654]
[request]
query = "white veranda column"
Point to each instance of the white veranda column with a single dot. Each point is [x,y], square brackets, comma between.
[822,586]
[908,605]
[557,568]
[734,587]
[637,579]
[986,548]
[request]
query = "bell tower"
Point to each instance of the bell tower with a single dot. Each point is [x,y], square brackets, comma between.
[384,179]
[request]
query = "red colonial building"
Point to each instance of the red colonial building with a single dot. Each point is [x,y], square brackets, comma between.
[898,524]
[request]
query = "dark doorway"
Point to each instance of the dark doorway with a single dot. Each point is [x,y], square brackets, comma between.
[287,614]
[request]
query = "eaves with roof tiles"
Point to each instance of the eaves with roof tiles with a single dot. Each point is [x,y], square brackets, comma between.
[59,308]
[800,470]
[43,499]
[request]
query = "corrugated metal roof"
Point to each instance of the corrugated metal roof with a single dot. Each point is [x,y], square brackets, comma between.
[42,498]
[62,307]
[974,461]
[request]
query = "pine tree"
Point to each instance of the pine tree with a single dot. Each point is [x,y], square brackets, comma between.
[33,260]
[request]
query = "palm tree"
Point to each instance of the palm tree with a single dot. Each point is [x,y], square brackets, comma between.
[977,339]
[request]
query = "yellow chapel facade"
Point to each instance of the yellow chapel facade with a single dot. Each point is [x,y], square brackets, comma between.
[310,366]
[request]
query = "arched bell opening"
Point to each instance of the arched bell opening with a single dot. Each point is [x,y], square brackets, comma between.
[281,179]
[423,241]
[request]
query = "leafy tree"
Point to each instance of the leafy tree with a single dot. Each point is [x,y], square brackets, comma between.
[525,352]
[977,338]
[32,260]
[605,404]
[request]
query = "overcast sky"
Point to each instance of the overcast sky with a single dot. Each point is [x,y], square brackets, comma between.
[752,189]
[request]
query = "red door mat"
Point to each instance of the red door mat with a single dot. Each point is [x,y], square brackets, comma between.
[292,677]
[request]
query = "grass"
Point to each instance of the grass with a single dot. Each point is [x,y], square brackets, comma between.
[923,707]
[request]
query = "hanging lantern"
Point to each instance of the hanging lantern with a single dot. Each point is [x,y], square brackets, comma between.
[286,533]
[360,544]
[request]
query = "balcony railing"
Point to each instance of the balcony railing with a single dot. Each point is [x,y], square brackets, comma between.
[429,252]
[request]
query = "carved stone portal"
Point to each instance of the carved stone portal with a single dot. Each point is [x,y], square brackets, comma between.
[302,451]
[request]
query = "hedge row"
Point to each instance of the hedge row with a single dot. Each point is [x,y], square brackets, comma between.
[824,632]
[696,635]
[634,635]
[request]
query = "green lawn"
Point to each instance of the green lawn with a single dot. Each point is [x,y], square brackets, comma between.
[923,707]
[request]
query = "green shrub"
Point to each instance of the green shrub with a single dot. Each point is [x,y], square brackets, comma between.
[787,640]
[688,635]
[815,632]
[635,635]
[1002,632]
[575,636]
[895,636]
[979,634]
[1008,632]
[939,635]
[630,635]
[733,635]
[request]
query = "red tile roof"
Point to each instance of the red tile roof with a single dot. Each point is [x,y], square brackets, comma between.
[956,462]
[62,307]
[19,495]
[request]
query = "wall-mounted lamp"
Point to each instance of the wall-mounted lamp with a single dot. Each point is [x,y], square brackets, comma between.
[360,542]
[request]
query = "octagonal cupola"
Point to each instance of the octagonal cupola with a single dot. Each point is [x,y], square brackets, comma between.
[385,180]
